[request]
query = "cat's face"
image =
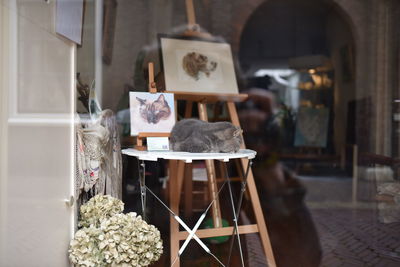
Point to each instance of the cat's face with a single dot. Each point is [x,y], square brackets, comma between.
[153,112]
[231,133]
[237,135]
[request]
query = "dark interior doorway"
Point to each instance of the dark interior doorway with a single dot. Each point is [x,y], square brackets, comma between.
[306,50]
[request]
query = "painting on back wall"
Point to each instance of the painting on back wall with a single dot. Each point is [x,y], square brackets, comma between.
[312,127]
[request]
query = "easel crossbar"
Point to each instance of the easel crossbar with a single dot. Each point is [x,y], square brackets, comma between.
[208,97]
[204,233]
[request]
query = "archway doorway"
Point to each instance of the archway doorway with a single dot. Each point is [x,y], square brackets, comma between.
[304,53]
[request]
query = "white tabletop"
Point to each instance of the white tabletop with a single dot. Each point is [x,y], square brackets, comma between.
[186,156]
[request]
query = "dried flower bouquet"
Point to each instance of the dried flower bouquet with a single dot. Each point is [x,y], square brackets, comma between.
[110,238]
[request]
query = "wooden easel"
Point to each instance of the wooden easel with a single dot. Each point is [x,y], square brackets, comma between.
[179,171]
[152,89]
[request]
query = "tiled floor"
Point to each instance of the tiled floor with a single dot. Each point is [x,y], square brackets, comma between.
[351,234]
[354,237]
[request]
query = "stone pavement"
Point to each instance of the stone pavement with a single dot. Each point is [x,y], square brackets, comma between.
[353,237]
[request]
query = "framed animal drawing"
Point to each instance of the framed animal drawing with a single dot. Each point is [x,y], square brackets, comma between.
[151,113]
[312,127]
[196,65]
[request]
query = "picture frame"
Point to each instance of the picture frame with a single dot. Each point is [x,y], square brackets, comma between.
[312,127]
[69,19]
[151,112]
[197,65]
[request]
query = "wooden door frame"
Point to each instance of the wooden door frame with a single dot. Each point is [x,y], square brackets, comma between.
[10,117]
[4,40]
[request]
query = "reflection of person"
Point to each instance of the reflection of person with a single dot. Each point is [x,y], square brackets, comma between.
[258,122]
[292,231]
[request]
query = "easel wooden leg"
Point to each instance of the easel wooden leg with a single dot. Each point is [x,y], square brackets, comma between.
[188,172]
[255,201]
[176,175]
[180,177]
[213,189]
[174,206]
[260,220]
[188,195]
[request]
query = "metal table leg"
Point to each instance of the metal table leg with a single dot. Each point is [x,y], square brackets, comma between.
[237,212]
[142,182]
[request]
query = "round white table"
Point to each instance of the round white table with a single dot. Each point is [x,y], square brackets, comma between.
[186,156]
[189,158]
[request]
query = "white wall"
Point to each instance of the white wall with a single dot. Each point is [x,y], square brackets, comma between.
[36,137]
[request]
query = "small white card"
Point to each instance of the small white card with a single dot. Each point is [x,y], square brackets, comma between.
[157,143]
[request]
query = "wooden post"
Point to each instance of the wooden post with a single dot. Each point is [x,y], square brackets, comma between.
[193,29]
[152,84]
[355,174]
[188,192]
[174,206]
[191,17]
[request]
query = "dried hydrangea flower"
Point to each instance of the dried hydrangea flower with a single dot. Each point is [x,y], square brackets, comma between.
[83,249]
[128,239]
[99,207]
[110,238]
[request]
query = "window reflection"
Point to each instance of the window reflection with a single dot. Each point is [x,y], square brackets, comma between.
[326,166]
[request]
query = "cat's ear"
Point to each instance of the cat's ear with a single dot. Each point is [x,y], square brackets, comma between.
[230,132]
[161,99]
[237,132]
[141,101]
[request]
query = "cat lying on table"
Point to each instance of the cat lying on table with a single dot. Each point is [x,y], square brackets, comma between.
[192,135]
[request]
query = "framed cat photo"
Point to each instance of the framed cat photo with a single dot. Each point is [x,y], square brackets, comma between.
[151,112]
[196,65]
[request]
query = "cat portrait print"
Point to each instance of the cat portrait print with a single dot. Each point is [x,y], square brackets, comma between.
[151,112]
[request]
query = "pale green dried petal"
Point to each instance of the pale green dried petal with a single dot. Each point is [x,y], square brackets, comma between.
[110,238]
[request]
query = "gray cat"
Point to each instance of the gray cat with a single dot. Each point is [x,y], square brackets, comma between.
[192,135]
